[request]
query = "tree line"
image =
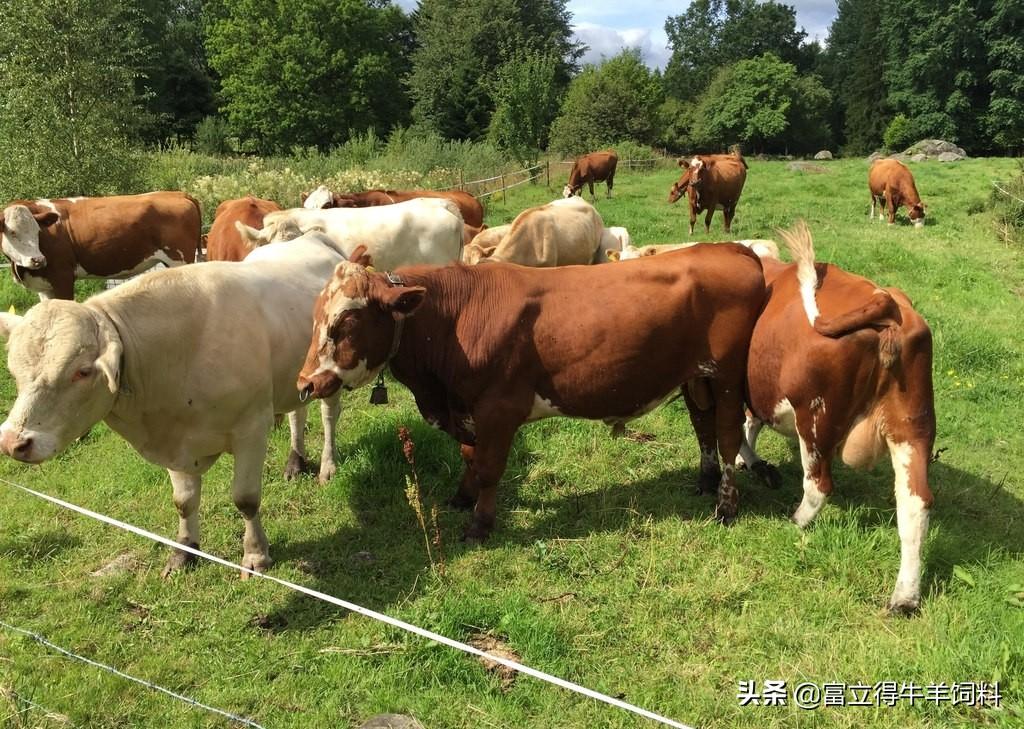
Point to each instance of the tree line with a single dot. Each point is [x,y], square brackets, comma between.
[86,82]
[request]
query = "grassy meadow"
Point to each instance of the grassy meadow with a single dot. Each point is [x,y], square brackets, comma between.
[606,568]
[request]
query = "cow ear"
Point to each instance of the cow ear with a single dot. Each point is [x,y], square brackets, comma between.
[45,220]
[109,363]
[360,256]
[403,300]
[8,321]
[250,236]
[302,198]
[613,255]
[488,252]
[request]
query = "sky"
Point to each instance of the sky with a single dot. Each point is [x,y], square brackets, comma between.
[608,26]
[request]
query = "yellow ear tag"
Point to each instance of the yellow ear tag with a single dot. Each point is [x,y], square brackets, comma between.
[12,310]
[371,269]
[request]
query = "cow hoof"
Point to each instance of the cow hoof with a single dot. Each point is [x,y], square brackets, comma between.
[461,502]
[707,483]
[725,518]
[179,561]
[905,607]
[257,563]
[476,533]
[296,466]
[767,474]
[327,473]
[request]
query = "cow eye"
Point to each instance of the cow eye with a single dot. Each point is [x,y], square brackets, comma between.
[81,374]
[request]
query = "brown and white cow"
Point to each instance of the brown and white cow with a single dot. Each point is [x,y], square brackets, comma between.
[713,182]
[471,209]
[761,247]
[892,184]
[51,243]
[845,367]
[591,168]
[224,242]
[485,349]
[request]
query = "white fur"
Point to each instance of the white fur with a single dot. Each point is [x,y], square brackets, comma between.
[561,233]
[319,198]
[542,408]
[912,521]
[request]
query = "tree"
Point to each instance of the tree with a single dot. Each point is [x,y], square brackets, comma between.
[308,73]
[68,105]
[762,103]
[1004,118]
[461,44]
[526,101]
[616,100]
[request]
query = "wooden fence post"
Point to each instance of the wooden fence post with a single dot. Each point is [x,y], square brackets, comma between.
[462,179]
[504,197]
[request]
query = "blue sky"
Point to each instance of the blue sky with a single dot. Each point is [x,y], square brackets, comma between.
[607,26]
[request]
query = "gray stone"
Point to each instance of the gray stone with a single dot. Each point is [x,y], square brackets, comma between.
[875,156]
[823,154]
[919,157]
[950,157]
[391,721]
[933,148]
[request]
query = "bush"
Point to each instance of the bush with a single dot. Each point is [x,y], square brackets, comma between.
[212,136]
[898,134]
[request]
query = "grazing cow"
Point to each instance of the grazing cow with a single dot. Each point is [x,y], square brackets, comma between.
[469,232]
[224,242]
[185,364]
[761,247]
[591,168]
[892,185]
[423,230]
[322,198]
[50,243]
[846,367]
[714,182]
[485,349]
[561,233]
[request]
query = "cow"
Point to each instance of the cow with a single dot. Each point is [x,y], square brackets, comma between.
[485,349]
[891,185]
[591,168]
[185,364]
[713,182]
[422,230]
[469,232]
[761,247]
[845,367]
[561,233]
[322,198]
[51,243]
[224,242]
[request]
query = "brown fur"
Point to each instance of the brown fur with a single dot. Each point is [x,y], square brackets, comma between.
[471,209]
[224,243]
[892,185]
[718,182]
[591,168]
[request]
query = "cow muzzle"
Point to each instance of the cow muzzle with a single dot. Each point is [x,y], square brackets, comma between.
[20,446]
[318,385]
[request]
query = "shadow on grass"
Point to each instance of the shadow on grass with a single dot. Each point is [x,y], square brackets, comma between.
[38,546]
[378,561]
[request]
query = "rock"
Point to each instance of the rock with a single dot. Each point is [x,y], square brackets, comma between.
[933,148]
[875,156]
[823,154]
[919,157]
[901,156]
[391,721]
[950,157]
[808,167]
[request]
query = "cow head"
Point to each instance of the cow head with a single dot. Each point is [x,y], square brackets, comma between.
[679,187]
[321,197]
[19,235]
[475,253]
[356,328]
[66,361]
[569,191]
[916,214]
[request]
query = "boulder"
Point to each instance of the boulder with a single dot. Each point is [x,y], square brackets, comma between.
[823,154]
[935,147]
[950,157]
[919,157]
[875,156]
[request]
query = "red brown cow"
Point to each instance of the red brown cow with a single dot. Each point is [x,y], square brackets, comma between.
[714,182]
[846,368]
[591,168]
[224,242]
[892,185]
[471,209]
[50,243]
[485,349]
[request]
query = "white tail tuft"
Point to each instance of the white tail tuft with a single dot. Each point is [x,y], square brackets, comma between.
[801,248]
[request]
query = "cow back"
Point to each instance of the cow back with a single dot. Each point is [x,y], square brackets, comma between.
[224,242]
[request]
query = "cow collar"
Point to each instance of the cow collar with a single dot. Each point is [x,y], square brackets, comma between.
[395,280]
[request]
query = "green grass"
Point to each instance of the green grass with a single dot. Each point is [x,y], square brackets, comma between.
[606,568]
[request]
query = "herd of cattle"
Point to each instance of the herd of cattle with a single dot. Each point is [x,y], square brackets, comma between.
[195,361]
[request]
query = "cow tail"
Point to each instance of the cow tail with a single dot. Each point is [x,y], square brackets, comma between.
[880,312]
[201,240]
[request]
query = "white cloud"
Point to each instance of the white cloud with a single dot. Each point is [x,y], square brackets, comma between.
[605,42]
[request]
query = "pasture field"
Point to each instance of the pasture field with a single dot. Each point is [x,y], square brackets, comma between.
[606,568]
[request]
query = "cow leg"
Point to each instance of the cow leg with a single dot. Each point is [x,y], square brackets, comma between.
[465,498]
[817,476]
[593,196]
[246,485]
[890,202]
[297,462]
[610,184]
[693,218]
[330,410]
[187,489]
[871,215]
[727,214]
[707,219]
[490,456]
[913,501]
[729,433]
[700,405]
[765,472]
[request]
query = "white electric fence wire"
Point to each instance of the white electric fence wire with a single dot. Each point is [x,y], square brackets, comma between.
[387,619]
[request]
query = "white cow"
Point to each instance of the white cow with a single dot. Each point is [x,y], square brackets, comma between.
[762,248]
[561,233]
[185,364]
[423,230]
